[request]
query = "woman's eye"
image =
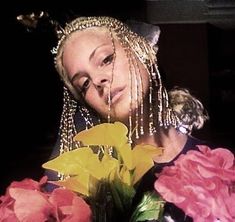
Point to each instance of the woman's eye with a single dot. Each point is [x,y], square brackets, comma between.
[85,85]
[108,60]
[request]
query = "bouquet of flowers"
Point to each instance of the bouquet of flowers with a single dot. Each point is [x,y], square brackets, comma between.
[100,180]
[105,170]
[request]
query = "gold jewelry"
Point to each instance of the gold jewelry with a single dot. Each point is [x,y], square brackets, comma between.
[135,46]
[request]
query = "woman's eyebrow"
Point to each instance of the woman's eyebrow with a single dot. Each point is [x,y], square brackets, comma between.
[80,74]
[94,51]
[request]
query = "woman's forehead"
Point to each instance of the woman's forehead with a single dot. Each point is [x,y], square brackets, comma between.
[81,45]
[90,34]
[87,39]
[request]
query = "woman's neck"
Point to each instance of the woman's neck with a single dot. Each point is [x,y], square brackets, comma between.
[171,140]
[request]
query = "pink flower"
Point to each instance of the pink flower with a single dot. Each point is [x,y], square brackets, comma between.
[201,183]
[26,201]
[70,207]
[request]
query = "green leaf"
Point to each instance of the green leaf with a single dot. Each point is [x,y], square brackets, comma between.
[148,215]
[122,194]
[150,208]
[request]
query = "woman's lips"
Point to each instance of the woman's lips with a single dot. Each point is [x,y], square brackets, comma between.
[115,94]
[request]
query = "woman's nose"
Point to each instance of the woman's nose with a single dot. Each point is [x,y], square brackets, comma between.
[101,82]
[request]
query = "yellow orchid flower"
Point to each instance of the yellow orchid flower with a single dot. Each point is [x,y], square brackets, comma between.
[111,134]
[86,167]
[72,163]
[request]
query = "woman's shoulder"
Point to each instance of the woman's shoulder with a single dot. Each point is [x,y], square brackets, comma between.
[194,143]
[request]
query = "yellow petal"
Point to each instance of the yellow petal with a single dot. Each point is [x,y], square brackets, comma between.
[151,151]
[109,164]
[126,155]
[78,184]
[95,167]
[72,162]
[113,174]
[125,176]
[111,134]
[143,159]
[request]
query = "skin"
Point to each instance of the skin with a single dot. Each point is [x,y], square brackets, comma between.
[94,69]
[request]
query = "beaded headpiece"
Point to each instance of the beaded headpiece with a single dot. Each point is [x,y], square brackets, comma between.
[135,46]
[126,37]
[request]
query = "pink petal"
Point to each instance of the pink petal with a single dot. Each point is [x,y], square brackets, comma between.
[31,205]
[28,184]
[61,197]
[7,215]
[80,211]
[168,192]
[72,208]
[223,158]
[227,157]
[7,201]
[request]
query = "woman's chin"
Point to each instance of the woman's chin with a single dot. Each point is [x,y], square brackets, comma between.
[123,120]
[119,113]
[121,117]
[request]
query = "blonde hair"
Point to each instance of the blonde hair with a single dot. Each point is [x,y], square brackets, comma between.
[138,44]
[143,49]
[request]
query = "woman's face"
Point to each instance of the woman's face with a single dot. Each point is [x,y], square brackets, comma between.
[95,70]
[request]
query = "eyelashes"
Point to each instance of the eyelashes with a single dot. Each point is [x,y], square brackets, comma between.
[108,60]
[85,86]
[87,82]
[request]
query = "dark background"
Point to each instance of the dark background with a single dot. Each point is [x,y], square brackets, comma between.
[198,56]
